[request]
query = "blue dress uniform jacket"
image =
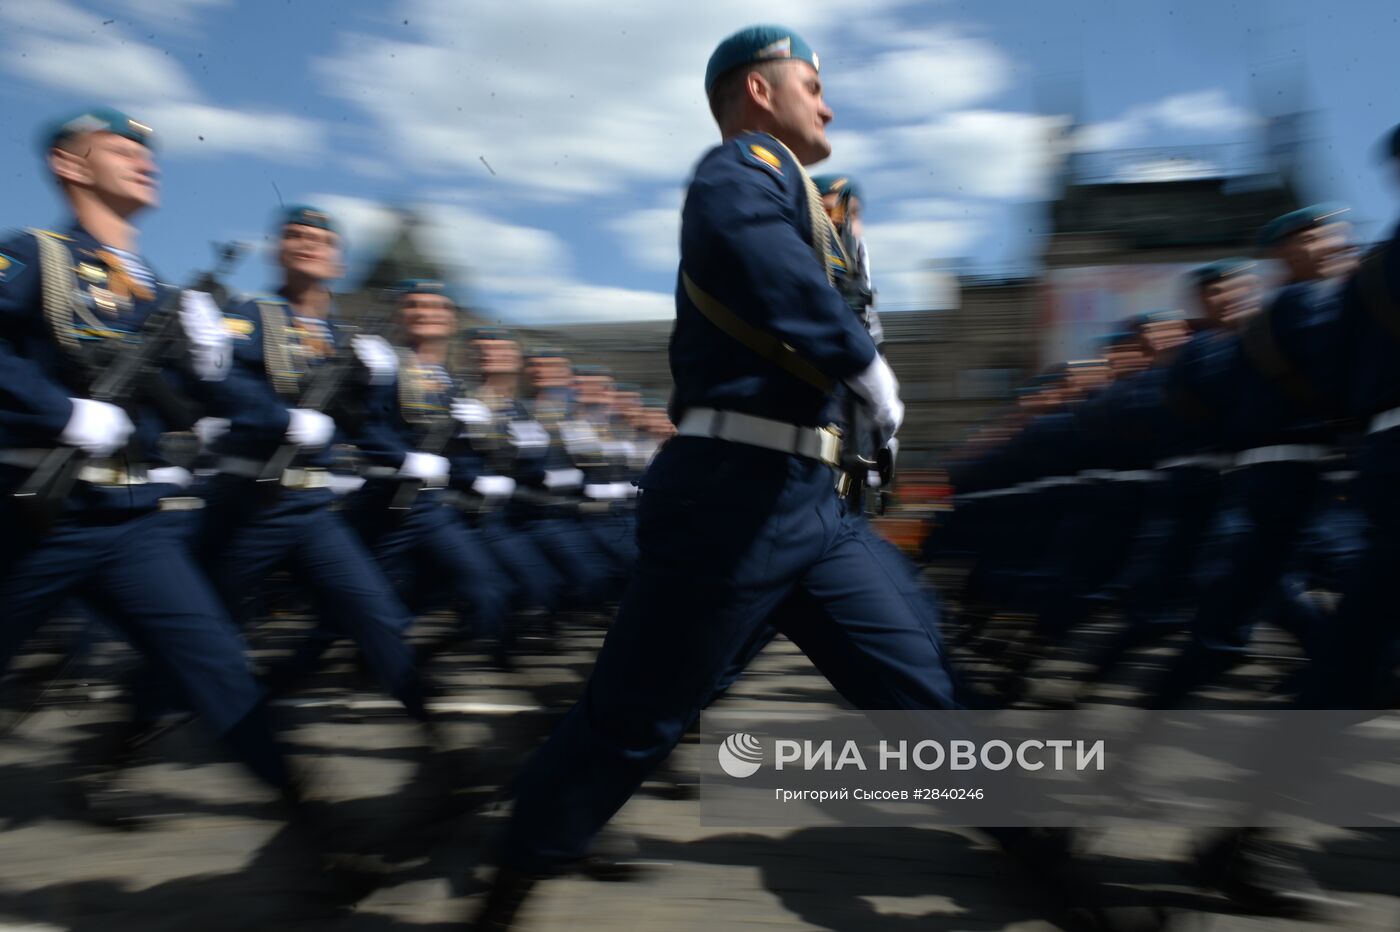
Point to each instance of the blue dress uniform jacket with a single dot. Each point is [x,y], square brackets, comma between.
[38,376]
[254,405]
[745,240]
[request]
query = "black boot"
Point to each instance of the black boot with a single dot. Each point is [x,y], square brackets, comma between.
[1260,874]
[509,890]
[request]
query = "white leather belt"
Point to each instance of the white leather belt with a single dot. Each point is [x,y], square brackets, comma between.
[97,472]
[1282,453]
[310,478]
[1386,420]
[818,443]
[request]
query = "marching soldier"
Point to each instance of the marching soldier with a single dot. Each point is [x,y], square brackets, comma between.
[89,508]
[270,502]
[410,529]
[739,512]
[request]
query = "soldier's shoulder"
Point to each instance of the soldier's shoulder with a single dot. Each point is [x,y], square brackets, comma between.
[243,316]
[19,255]
[755,158]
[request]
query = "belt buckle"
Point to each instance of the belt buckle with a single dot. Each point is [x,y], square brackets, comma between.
[830,448]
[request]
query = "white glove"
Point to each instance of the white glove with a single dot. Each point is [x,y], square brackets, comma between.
[377,356]
[877,386]
[209,429]
[307,428]
[173,475]
[428,468]
[470,411]
[563,478]
[211,348]
[606,491]
[96,427]
[494,486]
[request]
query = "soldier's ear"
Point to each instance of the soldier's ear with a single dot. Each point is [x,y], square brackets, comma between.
[69,167]
[759,89]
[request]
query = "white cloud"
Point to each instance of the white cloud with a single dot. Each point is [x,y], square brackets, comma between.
[57,45]
[651,237]
[204,129]
[575,301]
[171,14]
[99,64]
[1208,112]
[925,72]
[575,104]
[985,153]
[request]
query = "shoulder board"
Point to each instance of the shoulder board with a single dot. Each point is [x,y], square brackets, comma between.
[60,236]
[755,153]
[239,326]
[11,266]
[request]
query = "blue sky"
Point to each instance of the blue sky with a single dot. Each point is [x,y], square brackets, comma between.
[591,115]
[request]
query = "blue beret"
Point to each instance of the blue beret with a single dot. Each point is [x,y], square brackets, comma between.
[627,387]
[1305,218]
[546,352]
[307,216]
[757,44]
[837,184]
[489,333]
[592,369]
[1213,272]
[94,120]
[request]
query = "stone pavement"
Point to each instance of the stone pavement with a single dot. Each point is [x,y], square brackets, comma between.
[211,857]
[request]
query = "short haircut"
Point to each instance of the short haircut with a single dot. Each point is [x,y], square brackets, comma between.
[728,91]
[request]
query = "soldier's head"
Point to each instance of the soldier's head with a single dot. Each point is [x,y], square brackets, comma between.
[426,312]
[1228,292]
[625,399]
[1083,376]
[592,385]
[102,155]
[494,351]
[841,196]
[548,369]
[1159,332]
[1123,352]
[308,245]
[1312,242]
[765,78]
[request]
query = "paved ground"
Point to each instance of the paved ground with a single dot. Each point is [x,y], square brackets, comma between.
[213,858]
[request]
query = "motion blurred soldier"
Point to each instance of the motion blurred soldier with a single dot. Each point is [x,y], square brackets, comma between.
[414,535]
[69,301]
[262,512]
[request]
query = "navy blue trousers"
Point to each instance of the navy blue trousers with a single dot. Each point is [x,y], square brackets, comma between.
[430,555]
[139,576]
[726,534]
[244,538]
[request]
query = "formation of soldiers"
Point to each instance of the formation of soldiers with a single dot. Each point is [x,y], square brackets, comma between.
[163,456]
[1204,473]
